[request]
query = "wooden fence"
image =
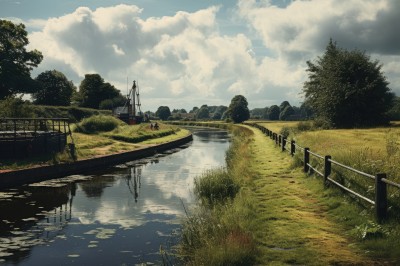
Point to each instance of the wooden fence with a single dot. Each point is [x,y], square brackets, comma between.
[380,201]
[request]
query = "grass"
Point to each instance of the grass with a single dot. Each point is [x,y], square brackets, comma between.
[100,141]
[281,216]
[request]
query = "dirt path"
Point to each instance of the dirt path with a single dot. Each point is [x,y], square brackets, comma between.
[295,228]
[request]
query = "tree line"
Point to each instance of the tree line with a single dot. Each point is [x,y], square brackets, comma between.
[344,88]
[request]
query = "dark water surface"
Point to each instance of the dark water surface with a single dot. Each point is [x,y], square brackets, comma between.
[116,216]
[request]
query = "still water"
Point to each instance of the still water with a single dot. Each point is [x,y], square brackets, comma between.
[116,216]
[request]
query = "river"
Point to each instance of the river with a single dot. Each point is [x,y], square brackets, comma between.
[121,215]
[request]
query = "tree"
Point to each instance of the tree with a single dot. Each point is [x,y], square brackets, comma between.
[163,112]
[16,62]
[347,89]
[273,112]
[203,113]
[286,113]
[54,89]
[283,105]
[238,110]
[93,90]
[16,107]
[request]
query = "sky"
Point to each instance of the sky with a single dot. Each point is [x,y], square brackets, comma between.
[186,53]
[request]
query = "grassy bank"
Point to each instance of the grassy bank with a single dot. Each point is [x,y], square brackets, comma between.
[264,211]
[102,135]
[220,230]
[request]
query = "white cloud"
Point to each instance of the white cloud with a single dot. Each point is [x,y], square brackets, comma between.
[185,60]
[301,30]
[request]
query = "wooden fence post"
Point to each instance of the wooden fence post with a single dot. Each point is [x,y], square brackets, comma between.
[380,197]
[283,143]
[276,138]
[306,159]
[327,168]
[292,147]
[279,140]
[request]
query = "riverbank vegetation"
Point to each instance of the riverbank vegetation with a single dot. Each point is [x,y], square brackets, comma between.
[372,150]
[102,135]
[219,231]
[269,212]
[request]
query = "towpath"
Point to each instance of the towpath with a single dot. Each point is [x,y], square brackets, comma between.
[294,228]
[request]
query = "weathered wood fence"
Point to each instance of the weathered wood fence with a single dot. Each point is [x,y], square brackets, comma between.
[380,201]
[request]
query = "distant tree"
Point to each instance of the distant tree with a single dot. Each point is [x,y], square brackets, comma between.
[15,107]
[110,104]
[265,113]
[219,111]
[238,110]
[273,112]
[54,89]
[347,89]
[93,90]
[203,113]
[16,62]
[286,113]
[163,112]
[182,111]
[283,105]
[394,112]
[257,112]
[194,110]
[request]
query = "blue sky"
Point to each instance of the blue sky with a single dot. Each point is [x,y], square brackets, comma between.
[190,53]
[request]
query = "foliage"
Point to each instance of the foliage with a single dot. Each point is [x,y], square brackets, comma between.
[286,113]
[98,123]
[163,112]
[203,113]
[217,232]
[394,112]
[283,106]
[15,107]
[93,90]
[238,110]
[347,89]
[54,89]
[110,104]
[16,62]
[273,112]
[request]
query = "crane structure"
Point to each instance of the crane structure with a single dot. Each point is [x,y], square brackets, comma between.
[131,112]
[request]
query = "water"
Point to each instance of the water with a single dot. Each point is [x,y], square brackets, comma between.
[116,216]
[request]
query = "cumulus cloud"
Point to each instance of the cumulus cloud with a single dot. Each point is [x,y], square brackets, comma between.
[186,60]
[301,30]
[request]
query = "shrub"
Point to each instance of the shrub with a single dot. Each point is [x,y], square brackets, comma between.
[214,186]
[98,123]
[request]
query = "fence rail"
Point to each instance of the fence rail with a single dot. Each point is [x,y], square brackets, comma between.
[380,201]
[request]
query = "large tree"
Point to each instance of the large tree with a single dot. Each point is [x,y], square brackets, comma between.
[54,89]
[347,89]
[238,109]
[163,112]
[93,90]
[273,112]
[16,62]
[203,112]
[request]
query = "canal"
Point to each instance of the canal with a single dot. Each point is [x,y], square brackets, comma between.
[116,216]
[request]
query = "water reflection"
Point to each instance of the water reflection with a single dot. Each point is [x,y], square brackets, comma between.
[114,216]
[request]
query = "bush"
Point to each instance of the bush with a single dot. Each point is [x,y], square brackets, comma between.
[98,123]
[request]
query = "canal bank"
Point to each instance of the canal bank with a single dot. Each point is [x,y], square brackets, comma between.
[15,178]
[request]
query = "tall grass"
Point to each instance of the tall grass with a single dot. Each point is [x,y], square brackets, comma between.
[218,230]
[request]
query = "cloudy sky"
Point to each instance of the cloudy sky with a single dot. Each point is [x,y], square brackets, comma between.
[187,53]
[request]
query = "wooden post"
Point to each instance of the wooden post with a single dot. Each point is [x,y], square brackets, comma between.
[283,143]
[292,147]
[327,168]
[279,139]
[306,159]
[380,197]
